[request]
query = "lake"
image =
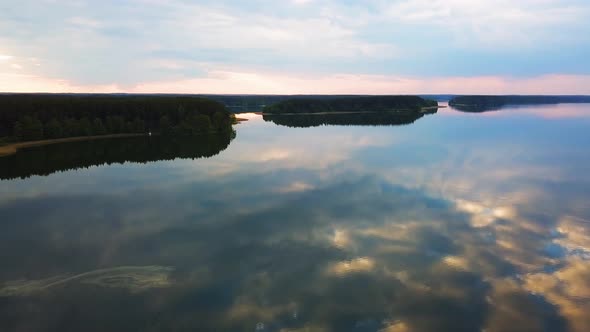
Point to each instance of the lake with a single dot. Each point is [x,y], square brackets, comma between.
[444,222]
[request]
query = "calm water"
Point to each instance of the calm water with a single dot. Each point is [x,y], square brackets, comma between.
[451,222]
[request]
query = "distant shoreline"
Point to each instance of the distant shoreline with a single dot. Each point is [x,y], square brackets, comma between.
[10,149]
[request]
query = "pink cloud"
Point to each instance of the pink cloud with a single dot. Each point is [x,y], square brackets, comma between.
[250,82]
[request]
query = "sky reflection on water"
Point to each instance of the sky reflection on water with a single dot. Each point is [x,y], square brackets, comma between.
[457,222]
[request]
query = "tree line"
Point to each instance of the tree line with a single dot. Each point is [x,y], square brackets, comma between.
[28,117]
[256,103]
[351,104]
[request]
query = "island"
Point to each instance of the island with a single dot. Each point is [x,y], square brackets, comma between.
[352,104]
[349,111]
[256,103]
[45,118]
[485,103]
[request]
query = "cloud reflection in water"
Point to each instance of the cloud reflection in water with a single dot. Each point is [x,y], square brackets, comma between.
[428,227]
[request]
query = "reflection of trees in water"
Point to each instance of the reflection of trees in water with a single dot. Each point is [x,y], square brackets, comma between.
[45,160]
[346,119]
[477,108]
[479,104]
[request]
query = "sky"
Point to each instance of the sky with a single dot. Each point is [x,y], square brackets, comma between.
[296,46]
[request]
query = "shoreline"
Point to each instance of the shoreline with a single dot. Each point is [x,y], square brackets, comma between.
[10,149]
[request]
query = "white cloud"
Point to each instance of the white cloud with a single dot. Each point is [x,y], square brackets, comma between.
[301,2]
[496,23]
[362,264]
[306,37]
[143,43]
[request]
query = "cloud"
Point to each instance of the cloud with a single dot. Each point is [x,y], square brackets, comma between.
[149,42]
[219,81]
[500,23]
[568,289]
[391,248]
[357,265]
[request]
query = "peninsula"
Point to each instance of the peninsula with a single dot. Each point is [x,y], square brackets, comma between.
[40,119]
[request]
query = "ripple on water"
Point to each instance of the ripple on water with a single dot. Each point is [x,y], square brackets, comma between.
[133,278]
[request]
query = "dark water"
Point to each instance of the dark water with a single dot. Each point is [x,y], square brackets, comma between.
[446,222]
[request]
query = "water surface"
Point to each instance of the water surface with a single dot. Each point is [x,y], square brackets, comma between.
[445,222]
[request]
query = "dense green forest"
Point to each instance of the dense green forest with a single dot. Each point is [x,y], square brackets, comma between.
[490,103]
[30,117]
[350,104]
[256,103]
[345,119]
[48,159]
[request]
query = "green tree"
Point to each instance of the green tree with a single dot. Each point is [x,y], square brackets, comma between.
[118,124]
[202,124]
[165,125]
[37,130]
[138,125]
[220,121]
[32,129]
[99,128]
[70,127]
[180,129]
[110,125]
[129,128]
[185,127]
[18,131]
[53,129]
[86,127]
[180,112]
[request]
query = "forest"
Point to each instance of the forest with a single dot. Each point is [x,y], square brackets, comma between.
[491,103]
[256,103]
[32,117]
[351,104]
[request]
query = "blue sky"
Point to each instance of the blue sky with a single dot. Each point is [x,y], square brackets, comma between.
[296,46]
